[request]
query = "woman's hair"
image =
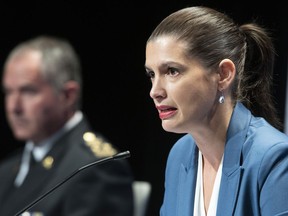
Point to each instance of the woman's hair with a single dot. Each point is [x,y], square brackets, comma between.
[212,36]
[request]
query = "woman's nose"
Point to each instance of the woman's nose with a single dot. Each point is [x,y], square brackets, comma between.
[157,90]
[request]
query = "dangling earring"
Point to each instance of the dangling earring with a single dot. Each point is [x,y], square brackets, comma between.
[221,98]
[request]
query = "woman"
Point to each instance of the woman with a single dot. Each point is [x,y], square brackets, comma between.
[211,79]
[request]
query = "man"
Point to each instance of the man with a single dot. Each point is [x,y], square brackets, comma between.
[42,88]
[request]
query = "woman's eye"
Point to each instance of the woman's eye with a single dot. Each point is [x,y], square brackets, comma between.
[173,72]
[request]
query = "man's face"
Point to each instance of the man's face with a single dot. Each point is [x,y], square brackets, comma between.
[33,108]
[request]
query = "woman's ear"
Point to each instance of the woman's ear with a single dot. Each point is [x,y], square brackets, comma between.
[227,73]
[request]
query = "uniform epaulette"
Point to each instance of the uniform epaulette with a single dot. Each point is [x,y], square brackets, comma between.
[98,146]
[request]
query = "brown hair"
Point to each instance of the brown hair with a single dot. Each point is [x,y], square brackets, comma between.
[212,36]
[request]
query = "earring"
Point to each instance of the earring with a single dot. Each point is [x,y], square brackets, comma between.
[221,98]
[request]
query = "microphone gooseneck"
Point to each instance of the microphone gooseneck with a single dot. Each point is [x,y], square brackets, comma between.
[119,156]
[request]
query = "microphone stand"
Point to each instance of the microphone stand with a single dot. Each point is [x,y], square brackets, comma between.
[118,156]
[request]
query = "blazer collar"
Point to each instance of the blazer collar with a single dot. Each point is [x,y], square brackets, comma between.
[232,170]
[186,188]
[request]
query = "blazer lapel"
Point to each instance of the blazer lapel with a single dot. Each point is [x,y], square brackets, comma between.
[231,179]
[187,184]
[232,170]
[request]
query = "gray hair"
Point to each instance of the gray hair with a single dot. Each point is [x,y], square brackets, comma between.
[60,62]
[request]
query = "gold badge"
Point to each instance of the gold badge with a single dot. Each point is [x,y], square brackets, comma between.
[48,162]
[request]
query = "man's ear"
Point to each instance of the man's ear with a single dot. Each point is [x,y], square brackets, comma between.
[71,92]
[227,72]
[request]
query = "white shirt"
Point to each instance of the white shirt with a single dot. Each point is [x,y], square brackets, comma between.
[40,151]
[199,209]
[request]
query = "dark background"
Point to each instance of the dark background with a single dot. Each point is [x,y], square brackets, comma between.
[110,38]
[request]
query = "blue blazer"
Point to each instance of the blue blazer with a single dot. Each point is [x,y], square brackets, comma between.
[254,176]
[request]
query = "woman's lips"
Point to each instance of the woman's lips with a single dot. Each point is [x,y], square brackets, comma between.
[166,111]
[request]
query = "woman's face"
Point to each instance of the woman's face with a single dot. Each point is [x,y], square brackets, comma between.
[184,92]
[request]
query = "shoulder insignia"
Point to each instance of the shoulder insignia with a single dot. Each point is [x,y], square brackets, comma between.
[98,146]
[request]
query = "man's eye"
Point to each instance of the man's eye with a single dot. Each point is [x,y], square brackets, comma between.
[150,74]
[29,91]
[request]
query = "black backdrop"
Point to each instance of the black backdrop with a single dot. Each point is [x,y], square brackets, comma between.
[110,38]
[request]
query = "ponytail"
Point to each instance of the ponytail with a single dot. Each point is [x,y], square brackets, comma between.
[256,82]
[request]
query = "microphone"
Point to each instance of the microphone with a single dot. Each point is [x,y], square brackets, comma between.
[119,156]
